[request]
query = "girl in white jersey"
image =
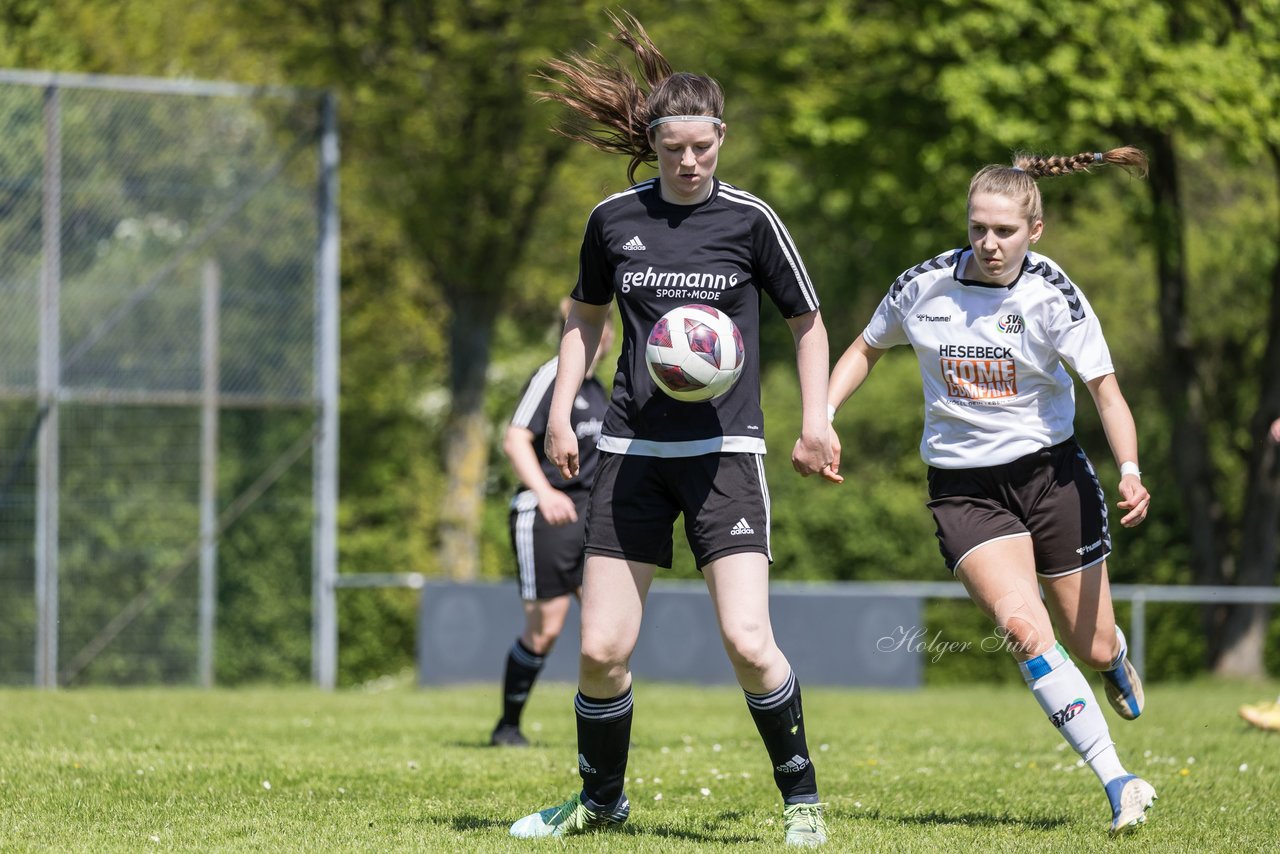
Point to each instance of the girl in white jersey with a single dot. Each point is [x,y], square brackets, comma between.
[660,457]
[1016,502]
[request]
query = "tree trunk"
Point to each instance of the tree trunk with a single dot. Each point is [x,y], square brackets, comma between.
[1244,631]
[466,440]
[1181,386]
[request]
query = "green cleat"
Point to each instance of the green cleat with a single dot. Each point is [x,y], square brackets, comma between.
[804,824]
[572,817]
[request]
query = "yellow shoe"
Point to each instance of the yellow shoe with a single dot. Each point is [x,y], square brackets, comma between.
[1262,715]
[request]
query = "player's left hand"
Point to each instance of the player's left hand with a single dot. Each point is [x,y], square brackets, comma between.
[1135,499]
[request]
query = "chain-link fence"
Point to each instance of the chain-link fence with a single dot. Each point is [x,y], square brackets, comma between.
[167,379]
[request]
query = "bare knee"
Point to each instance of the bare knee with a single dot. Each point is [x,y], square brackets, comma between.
[750,648]
[1023,639]
[603,660]
[1023,624]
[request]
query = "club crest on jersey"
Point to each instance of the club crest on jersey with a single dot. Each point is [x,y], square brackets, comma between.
[1011,324]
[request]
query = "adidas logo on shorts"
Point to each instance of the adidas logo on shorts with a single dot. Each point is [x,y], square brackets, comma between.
[741,527]
[794,765]
[633,245]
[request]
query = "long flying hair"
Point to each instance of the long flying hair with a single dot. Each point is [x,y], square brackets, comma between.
[610,109]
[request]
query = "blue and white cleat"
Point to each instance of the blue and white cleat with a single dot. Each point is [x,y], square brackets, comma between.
[574,816]
[1130,798]
[1123,688]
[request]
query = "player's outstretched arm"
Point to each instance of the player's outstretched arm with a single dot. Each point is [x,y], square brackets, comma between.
[851,372]
[582,330]
[1122,436]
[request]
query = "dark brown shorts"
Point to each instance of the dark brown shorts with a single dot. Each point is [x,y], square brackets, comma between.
[635,501]
[1052,495]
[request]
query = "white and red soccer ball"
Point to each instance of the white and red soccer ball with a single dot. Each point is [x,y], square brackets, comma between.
[694,352]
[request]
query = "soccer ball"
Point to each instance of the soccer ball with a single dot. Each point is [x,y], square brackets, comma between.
[694,352]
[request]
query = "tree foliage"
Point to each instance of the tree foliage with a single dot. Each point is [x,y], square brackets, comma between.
[861,123]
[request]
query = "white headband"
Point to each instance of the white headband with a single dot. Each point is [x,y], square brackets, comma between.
[653,124]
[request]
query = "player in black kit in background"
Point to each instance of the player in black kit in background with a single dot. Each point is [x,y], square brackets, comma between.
[684,237]
[547,522]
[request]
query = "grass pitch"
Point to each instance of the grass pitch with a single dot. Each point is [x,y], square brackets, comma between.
[396,768]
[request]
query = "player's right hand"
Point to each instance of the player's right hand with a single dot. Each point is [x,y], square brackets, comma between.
[557,508]
[561,448]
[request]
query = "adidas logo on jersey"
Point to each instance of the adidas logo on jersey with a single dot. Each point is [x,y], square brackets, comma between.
[741,527]
[633,245]
[794,765]
[584,766]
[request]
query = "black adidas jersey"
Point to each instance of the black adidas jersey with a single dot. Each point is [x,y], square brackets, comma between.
[586,417]
[653,256]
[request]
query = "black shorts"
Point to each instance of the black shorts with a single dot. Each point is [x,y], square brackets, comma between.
[1052,495]
[549,557]
[636,499]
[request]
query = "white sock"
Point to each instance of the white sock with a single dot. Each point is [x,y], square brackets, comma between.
[1064,694]
[1124,649]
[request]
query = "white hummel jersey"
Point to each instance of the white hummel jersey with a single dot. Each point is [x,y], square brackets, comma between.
[991,356]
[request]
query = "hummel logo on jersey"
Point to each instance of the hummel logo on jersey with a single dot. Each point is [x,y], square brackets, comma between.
[794,765]
[584,766]
[633,245]
[741,527]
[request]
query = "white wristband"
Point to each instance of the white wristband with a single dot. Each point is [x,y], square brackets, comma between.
[1130,467]
[831,413]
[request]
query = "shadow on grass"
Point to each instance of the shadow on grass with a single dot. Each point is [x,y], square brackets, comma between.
[462,823]
[968,819]
[484,744]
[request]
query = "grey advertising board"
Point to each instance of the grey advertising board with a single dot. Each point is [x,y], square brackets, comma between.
[465,630]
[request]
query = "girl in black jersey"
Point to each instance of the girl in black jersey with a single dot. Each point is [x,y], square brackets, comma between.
[684,237]
[547,522]
[1017,505]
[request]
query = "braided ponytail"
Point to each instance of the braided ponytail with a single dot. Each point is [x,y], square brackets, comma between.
[1036,166]
[1018,182]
